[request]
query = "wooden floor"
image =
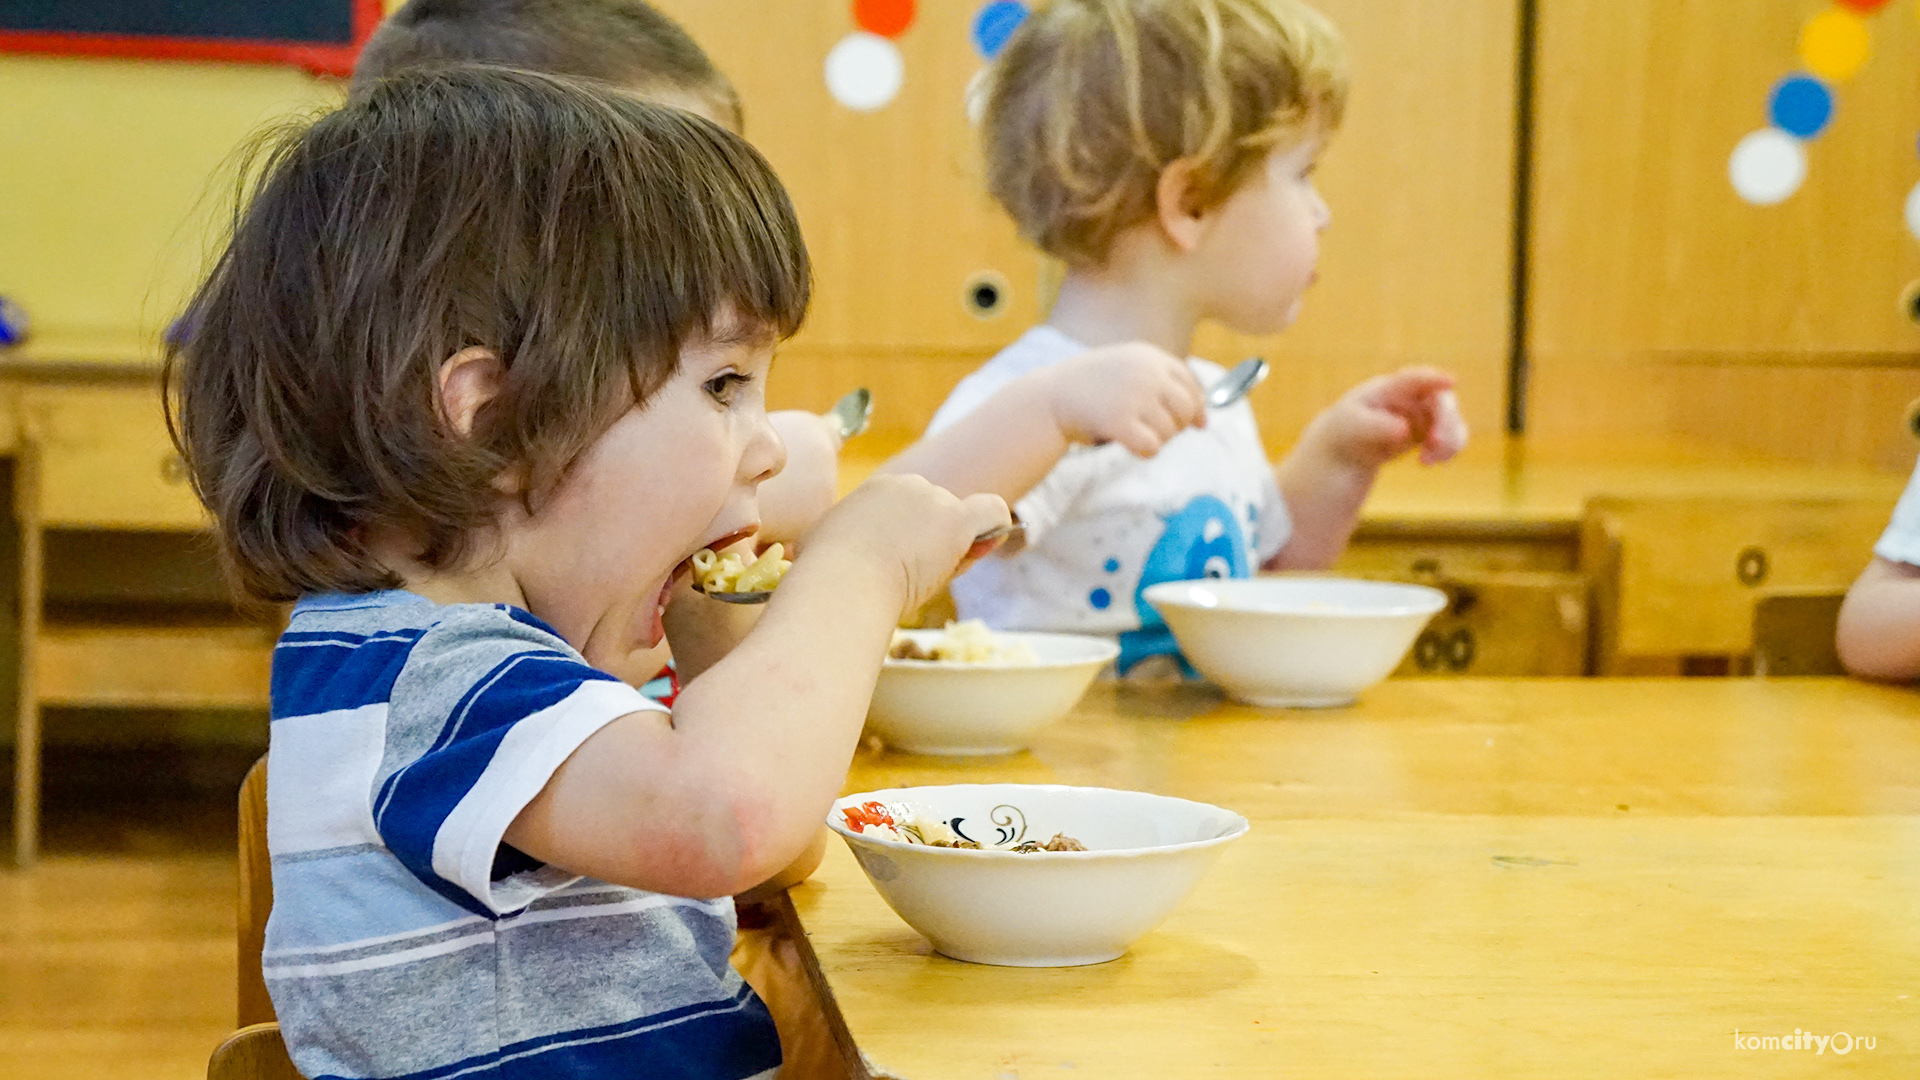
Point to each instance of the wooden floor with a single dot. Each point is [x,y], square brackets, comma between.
[117,953]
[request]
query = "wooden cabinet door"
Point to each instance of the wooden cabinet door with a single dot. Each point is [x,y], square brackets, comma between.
[1664,307]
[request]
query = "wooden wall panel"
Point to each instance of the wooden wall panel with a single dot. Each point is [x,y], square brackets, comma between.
[1415,267]
[1665,307]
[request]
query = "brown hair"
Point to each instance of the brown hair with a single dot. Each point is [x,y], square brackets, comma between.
[624,42]
[581,235]
[1092,99]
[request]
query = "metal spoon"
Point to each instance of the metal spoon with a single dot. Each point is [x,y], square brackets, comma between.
[1235,384]
[980,544]
[851,413]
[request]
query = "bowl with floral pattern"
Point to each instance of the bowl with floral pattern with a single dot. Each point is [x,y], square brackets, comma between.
[1032,875]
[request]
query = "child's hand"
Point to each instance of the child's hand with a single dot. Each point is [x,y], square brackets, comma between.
[794,499]
[1389,415]
[910,525]
[1131,394]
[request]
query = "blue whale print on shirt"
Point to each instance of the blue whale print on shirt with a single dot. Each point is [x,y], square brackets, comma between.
[1201,540]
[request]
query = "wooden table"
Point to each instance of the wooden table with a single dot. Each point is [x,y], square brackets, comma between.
[1456,878]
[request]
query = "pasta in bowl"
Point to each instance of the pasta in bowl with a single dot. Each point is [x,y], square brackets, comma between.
[1000,903]
[966,690]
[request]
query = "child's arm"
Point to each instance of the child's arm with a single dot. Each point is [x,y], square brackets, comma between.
[796,872]
[1879,632]
[1326,479]
[703,631]
[1131,394]
[733,787]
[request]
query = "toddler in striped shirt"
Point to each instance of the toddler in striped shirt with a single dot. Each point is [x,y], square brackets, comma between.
[479,371]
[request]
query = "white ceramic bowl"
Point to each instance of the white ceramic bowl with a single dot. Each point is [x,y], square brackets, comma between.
[1051,909]
[1295,641]
[938,707]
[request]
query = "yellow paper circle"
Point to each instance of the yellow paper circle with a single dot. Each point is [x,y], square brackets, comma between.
[1834,44]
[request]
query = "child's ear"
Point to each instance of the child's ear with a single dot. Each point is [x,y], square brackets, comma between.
[468,380]
[1173,204]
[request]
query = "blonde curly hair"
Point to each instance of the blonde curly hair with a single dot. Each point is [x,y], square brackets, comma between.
[1092,99]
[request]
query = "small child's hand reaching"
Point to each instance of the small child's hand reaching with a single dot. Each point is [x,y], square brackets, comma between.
[1132,394]
[1326,478]
[1388,415]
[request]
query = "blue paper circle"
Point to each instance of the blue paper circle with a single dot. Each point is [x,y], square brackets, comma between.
[1100,598]
[14,323]
[995,23]
[1801,106]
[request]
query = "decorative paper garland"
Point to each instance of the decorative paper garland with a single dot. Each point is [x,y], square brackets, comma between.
[864,70]
[1769,165]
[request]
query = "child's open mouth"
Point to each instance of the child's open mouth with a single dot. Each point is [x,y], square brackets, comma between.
[656,629]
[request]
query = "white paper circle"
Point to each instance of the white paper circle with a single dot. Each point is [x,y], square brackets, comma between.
[976,96]
[1913,211]
[864,71]
[1768,166]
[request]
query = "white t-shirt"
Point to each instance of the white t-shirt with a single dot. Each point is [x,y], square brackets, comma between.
[1901,541]
[1104,524]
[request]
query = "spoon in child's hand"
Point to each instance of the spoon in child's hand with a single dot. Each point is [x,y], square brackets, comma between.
[982,544]
[851,414]
[1232,386]
[1235,384]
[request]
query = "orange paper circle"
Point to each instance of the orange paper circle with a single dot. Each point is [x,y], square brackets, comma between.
[1834,44]
[888,18]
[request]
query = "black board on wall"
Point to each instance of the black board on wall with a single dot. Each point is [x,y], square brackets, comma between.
[322,35]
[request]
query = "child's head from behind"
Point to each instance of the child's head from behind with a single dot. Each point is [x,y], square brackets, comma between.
[474,295]
[626,43]
[1104,116]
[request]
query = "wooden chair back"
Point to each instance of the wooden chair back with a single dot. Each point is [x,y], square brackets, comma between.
[256,897]
[1677,575]
[1512,623]
[1793,634]
[255,1052]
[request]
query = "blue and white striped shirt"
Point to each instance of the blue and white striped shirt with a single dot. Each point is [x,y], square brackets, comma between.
[406,940]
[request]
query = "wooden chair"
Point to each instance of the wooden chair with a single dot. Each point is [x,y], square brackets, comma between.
[1525,624]
[1676,576]
[256,897]
[1793,634]
[1518,601]
[255,1052]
